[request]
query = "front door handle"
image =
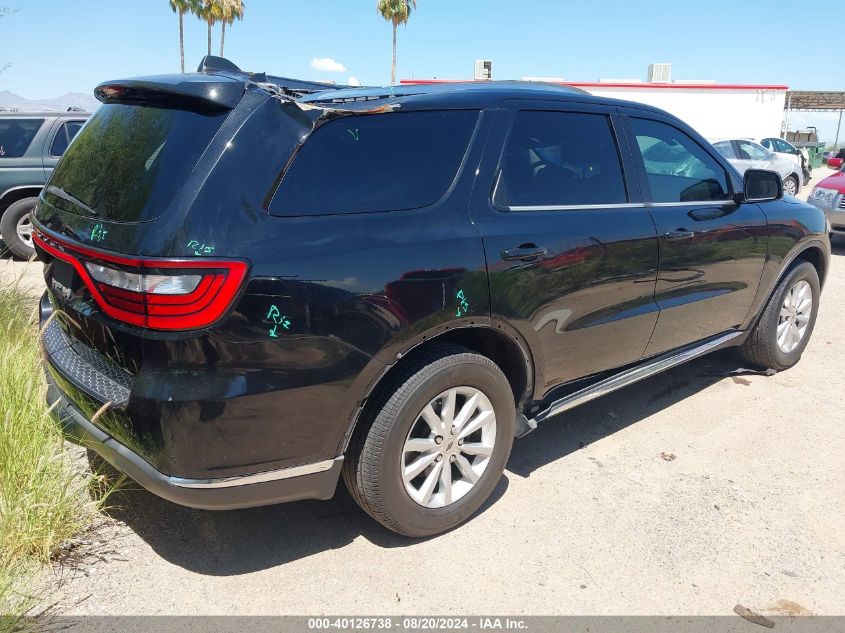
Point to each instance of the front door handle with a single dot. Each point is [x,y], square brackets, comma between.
[679,234]
[526,252]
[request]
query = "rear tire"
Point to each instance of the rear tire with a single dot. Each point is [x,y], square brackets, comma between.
[784,329]
[790,185]
[426,415]
[16,227]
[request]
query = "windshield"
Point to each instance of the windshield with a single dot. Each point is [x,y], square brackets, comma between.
[129,162]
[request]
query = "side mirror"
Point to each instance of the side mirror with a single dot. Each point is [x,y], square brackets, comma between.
[762,185]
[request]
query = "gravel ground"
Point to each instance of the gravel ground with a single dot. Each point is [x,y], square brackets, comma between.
[591,517]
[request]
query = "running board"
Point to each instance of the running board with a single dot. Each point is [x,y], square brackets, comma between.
[630,376]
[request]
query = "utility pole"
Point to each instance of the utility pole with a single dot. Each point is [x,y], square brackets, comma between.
[788,108]
[838,127]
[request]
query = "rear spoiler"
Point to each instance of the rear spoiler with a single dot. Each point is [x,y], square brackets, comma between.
[217,86]
[192,92]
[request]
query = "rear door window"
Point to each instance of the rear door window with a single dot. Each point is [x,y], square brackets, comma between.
[64,136]
[560,159]
[376,162]
[16,136]
[677,168]
[129,162]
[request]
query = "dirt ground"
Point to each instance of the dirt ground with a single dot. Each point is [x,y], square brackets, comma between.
[684,494]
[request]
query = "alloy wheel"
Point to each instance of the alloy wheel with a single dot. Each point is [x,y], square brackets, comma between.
[794,316]
[24,230]
[789,186]
[448,447]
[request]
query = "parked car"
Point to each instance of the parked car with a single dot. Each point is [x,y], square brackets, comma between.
[837,161]
[829,196]
[253,293]
[744,154]
[31,144]
[785,149]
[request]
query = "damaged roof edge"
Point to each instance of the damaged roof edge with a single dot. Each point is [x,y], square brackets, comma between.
[212,64]
[288,89]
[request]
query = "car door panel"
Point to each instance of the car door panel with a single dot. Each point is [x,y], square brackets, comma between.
[712,250]
[582,292]
[708,279]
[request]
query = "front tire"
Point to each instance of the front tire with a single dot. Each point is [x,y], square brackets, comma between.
[790,185]
[784,329]
[436,443]
[16,227]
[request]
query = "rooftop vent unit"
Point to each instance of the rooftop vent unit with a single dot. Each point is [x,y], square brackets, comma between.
[660,73]
[483,69]
[547,80]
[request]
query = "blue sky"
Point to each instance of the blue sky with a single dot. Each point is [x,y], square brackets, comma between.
[58,46]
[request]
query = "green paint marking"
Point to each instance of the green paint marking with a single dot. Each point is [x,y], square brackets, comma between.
[353,134]
[463,306]
[98,233]
[275,315]
[200,249]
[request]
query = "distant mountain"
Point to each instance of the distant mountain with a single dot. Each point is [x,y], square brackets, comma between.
[59,104]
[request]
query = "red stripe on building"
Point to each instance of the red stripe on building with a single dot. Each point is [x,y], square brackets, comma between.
[581,84]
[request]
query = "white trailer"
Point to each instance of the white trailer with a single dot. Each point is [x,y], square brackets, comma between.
[714,110]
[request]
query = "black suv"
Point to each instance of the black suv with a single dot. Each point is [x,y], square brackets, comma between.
[31,144]
[253,289]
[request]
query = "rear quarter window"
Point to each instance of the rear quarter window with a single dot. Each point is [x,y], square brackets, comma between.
[16,136]
[375,163]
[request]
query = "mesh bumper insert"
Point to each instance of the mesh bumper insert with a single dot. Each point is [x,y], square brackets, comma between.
[86,368]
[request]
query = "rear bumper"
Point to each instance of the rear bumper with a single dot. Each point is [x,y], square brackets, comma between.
[310,481]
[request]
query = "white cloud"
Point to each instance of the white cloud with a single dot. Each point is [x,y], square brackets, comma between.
[327,65]
[353,81]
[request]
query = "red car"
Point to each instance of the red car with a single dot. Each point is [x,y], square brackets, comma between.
[829,196]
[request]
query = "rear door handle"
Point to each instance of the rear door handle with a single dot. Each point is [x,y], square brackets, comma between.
[526,252]
[679,234]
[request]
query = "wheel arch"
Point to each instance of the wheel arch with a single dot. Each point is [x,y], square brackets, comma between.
[15,194]
[496,341]
[812,252]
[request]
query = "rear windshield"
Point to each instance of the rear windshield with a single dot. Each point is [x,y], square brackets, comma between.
[376,162]
[129,162]
[16,136]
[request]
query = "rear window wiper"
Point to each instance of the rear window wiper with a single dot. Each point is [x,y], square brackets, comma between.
[64,195]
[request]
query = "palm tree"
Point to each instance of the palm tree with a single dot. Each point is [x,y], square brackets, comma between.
[210,12]
[182,7]
[232,10]
[397,12]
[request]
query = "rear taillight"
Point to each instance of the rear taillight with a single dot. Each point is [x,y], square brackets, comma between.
[161,294]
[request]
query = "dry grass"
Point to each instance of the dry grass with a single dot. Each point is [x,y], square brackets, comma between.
[45,498]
